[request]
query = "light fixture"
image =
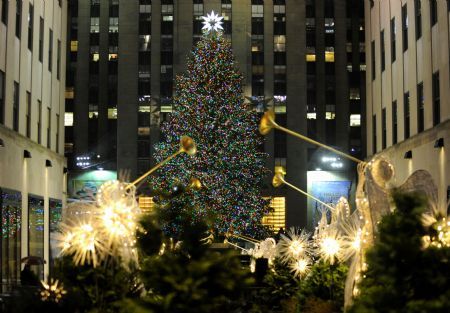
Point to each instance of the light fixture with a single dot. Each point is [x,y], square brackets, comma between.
[26,154]
[408,154]
[2,144]
[48,163]
[439,143]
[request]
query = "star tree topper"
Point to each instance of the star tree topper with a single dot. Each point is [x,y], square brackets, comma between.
[212,22]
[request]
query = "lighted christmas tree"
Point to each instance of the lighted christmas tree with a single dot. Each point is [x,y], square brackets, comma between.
[209,107]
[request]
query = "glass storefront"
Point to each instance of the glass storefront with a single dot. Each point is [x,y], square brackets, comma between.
[36,231]
[55,209]
[10,210]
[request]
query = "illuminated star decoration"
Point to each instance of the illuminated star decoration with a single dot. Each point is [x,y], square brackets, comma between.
[52,291]
[212,22]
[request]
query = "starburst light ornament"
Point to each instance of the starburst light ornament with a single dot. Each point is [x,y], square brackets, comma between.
[300,267]
[212,22]
[294,245]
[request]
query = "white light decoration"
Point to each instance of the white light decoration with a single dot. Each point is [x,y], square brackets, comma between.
[212,22]
[293,245]
[52,291]
[300,267]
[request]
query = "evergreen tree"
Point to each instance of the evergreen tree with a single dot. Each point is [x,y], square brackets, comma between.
[403,275]
[209,107]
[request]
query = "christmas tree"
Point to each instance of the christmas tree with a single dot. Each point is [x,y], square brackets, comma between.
[209,107]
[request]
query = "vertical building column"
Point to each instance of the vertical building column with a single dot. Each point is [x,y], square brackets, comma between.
[320,71]
[341,77]
[127,104]
[182,35]
[155,73]
[81,109]
[269,79]
[241,17]
[102,133]
[296,165]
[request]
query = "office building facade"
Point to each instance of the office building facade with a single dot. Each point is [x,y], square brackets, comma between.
[303,58]
[408,94]
[32,86]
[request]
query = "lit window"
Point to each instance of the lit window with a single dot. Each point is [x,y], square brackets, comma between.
[276,219]
[95,57]
[279,43]
[93,114]
[329,56]
[74,46]
[112,113]
[112,56]
[69,93]
[143,131]
[144,109]
[330,115]
[355,120]
[95,24]
[68,119]
[311,116]
[310,58]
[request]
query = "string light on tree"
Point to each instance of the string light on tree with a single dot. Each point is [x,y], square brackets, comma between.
[208,106]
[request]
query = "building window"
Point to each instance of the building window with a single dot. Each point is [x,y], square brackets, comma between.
[49,127]
[406,112]
[197,20]
[58,60]
[50,50]
[30,26]
[39,123]
[57,133]
[418,14]
[5,4]
[11,214]
[383,60]
[16,107]
[28,115]
[394,122]
[18,18]
[393,35]
[436,100]
[95,25]
[383,128]
[373,59]
[433,12]
[405,27]
[226,13]
[55,218]
[2,97]
[355,120]
[420,108]
[36,230]
[374,134]
[41,39]
[113,24]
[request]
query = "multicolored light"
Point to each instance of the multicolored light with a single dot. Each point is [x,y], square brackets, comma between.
[209,107]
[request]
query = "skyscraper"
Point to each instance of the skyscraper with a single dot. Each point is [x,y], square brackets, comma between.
[32,165]
[408,94]
[303,58]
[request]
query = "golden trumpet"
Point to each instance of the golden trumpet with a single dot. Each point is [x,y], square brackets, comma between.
[187,145]
[268,123]
[278,180]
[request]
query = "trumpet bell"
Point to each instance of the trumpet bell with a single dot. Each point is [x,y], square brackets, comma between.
[267,122]
[187,144]
[195,183]
[277,180]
